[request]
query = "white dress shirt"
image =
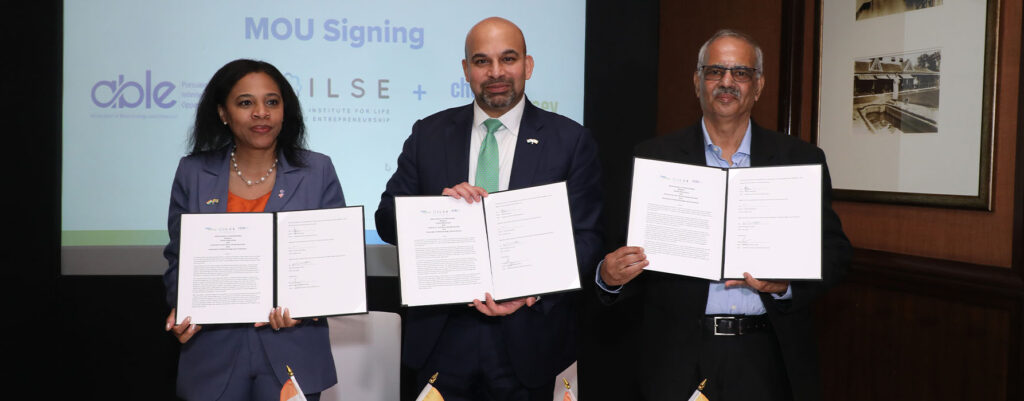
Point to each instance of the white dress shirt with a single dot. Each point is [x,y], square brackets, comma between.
[506,136]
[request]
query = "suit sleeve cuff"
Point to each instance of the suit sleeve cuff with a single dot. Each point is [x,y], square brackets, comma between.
[785,296]
[602,285]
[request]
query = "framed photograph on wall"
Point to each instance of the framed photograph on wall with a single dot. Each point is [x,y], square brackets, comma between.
[905,99]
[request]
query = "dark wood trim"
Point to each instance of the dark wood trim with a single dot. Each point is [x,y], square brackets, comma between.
[791,67]
[1016,368]
[972,283]
[815,71]
[1018,185]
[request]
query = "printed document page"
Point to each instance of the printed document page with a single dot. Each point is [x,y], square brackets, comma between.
[774,223]
[321,264]
[225,268]
[531,241]
[442,250]
[677,215]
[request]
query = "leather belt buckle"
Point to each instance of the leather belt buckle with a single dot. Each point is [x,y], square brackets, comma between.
[733,325]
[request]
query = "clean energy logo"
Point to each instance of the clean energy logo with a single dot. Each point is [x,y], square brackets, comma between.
[128,94]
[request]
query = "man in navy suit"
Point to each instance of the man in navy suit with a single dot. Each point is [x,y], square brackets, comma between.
[497,350]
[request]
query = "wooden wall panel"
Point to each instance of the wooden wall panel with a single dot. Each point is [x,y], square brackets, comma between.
[685,27]
[887,344]
[924,329]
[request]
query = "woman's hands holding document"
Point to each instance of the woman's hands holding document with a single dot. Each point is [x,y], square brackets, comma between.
[465,191]
[280,318]
[491,308]
[184,331]
[622,265]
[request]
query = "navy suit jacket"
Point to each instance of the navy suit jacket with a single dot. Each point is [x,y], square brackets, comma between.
[673,304]
[541,340]
[207,359]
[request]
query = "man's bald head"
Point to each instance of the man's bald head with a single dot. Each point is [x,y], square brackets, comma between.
[495,27]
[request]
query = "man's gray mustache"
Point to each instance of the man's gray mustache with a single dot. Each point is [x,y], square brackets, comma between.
[726,90]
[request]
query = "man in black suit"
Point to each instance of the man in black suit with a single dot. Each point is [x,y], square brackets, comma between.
[497,350]
[752,339]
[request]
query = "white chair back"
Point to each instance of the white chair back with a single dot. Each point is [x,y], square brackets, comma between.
[366,355]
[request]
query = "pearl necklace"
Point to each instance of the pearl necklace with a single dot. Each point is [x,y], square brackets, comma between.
[234,164]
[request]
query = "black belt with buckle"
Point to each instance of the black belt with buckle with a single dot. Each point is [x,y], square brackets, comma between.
[730,325]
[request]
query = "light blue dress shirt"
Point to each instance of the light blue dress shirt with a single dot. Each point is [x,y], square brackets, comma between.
[721,300]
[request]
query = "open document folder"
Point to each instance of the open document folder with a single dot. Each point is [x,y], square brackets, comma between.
[236,267]
[512,244]
[715,223]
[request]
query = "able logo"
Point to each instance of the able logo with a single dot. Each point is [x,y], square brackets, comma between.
[123,94]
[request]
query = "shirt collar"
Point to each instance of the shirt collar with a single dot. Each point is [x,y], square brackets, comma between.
[744,148]
[510,120]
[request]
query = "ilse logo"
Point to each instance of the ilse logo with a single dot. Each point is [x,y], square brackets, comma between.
[121,94]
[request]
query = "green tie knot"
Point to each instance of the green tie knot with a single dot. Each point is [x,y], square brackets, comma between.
[492,125]
[487,161]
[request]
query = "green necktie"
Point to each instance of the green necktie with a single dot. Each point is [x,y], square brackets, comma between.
[487,161]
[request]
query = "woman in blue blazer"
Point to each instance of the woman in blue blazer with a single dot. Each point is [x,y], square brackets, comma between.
[248,155]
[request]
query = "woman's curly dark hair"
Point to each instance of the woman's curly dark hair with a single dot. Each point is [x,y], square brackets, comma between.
[209,132]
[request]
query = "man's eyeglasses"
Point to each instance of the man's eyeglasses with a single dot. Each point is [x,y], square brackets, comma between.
[717,72]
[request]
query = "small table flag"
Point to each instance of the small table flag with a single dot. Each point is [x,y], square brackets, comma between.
[291,391]
[697,394]
[568,395]
[430,393]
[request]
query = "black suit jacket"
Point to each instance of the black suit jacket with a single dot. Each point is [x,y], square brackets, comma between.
[673,304]
[541,340]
